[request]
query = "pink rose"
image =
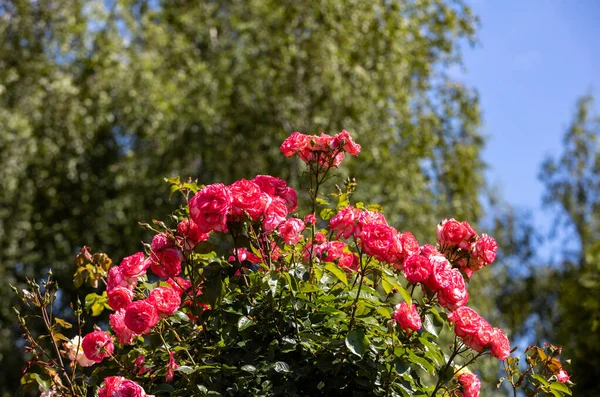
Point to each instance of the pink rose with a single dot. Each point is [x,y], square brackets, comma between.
[441,273]
[179,284]
[117,323]
[165,299]
[344,222]
[367,218]
[97,345]
[471,328]
[407,317]
[562,376]
[294,144]
[310,219]
[75,352]
[500,345]
[275,214]
[380,241]
[344,141]
[209,208]
[190,234]
[246,198]
[271,185]
[167,263]
[348,260]
[483,252]
[161,241]
[417,268]
[119,298]
[469,384]
[451,232]
[117,386]
[133,266]
[141,316]
[117,279]
[428,250]
[290,231]
[291,199]
[455,294]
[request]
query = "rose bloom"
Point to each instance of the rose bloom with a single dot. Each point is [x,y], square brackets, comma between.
[190,234]
[118,386]
[209,208]
[133,266]
[165,299]
[119,298]
[407,317]
[471,328]
[451,232]
[117,322]
[117,279]
[344,222]
[428,250]
[290,230]
[75,352]
[441,273]
[369,218]
[275,214]
[246,198]
[417,268]
[469,384]
[271,185]
[483,252]
[344,140]
[141,316]
[380,241]
[348,260]
[294,144]
[166,263]
[97,345]
[179,284]
[455,294]
[500,345]
[562,376]
[310,219]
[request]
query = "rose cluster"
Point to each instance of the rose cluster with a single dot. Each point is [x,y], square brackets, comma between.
[477,333]
[325,150]
[459,240]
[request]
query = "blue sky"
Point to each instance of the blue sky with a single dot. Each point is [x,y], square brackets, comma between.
[533,60]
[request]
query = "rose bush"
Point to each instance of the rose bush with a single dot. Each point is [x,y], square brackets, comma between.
[241,295]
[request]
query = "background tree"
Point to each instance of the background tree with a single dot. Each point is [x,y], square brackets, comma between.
[573,188]
[101,100]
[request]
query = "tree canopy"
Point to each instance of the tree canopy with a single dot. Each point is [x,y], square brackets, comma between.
[99,101]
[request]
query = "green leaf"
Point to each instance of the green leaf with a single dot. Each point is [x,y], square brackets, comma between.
[327,213]
[420,361]
[560,387]
[357,342]
[249,368]
[280,366]
[336,271]
[185,369]
[429,326]
[243,323]
[62,322]
[540,379]
[387,286]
